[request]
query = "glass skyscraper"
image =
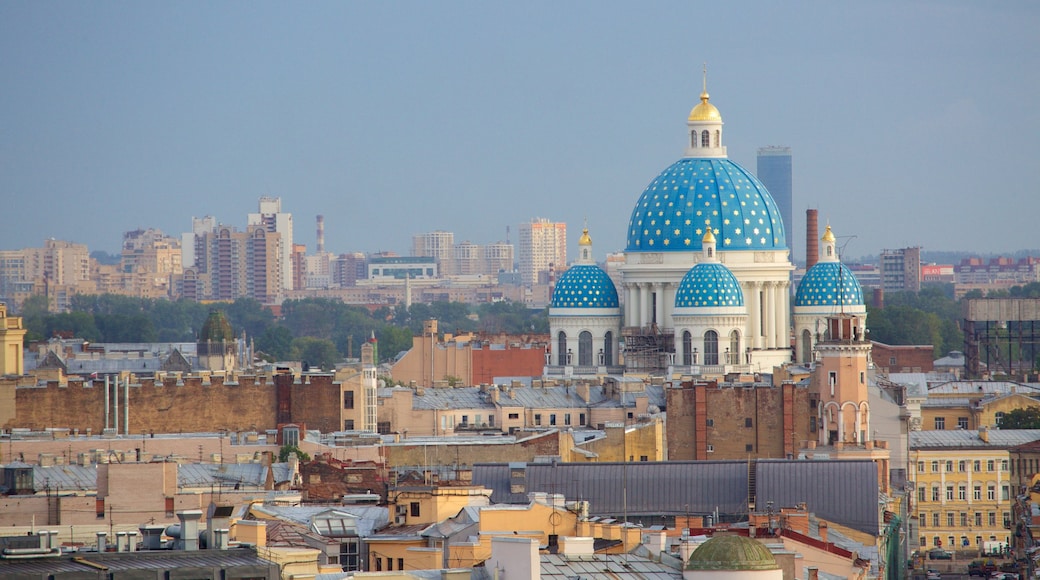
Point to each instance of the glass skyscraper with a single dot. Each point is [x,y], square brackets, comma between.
[774,171]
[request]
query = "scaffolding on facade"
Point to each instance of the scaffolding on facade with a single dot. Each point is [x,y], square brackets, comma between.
[1001,337]
[648,349]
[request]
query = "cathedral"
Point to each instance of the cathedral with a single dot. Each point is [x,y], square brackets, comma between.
[705,285]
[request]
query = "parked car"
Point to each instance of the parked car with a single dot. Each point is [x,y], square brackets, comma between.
[933,575]
[939,554]
[981,568]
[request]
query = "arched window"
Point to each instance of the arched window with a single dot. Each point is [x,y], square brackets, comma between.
[830,251]
[718,138]
[711,348]
[734,346]
[806,346]
[711,253]
[585,349]
[561,349]
[705,138]
[687,348]
[693,139]
[608,348]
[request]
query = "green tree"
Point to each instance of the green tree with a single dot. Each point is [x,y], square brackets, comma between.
[73,324]
[276,343]
[249,316]
[287,450]
[316,352]
[34,313]
[1028,418]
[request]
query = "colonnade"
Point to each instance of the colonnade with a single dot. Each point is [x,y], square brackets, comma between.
[767,303]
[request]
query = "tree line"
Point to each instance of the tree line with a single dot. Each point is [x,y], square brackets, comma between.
[323,331]
[319,331]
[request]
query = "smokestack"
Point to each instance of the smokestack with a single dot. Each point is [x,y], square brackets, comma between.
[321,234]
[812,238]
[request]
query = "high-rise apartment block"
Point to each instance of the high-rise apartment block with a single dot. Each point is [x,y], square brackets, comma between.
[901,269]
[439,245]
[270,216]
[58,270]
[230,264]
[149,262]
[543,249]
[498,257]
[774,171]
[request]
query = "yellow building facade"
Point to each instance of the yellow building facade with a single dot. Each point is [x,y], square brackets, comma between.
[963,486]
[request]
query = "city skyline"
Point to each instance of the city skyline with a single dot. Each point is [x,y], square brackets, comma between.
[147,115]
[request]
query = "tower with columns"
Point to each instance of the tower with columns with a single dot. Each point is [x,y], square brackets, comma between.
[700,193]
[840,381]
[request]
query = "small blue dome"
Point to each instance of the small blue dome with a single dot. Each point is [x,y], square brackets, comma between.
[693,194]
[820,286]
[709,284]
[584,286]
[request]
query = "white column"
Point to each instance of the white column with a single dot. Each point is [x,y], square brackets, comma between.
[667,299]
[643,298]
[785,315]
[771,314]
[754,310]
[659,304]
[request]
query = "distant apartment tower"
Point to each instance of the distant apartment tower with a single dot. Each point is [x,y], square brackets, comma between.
[901,269]
[232,264]
[543,248]
[439,245]
[190,241]
[347,269]
[271,217]
[774,171]
[498,257]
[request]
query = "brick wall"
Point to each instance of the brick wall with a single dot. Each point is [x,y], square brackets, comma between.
[735,421]
[902,358]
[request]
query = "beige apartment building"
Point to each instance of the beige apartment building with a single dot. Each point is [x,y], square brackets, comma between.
[543,247]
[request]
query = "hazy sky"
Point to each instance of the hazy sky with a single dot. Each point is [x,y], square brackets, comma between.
[908,120]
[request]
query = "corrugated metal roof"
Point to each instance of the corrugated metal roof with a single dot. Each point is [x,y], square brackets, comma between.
[845,492]
[963,438]
[215,474]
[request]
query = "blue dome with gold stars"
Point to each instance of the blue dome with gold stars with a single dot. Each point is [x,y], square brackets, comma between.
[584,286]
[709,284]
[695,193]
[829,284]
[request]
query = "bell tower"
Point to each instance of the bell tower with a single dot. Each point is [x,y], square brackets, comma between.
[840,381]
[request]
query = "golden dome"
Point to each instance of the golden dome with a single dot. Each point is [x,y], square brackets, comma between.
[828,236]
[705,111]
[709,237]
[585,240]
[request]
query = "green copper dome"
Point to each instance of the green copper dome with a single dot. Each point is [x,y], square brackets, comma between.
[216,328]
[731,553]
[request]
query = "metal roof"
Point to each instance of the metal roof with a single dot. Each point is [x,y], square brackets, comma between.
[240,559]
[565,397]
[217,474]
[616,566]
[965,439]
[844,492]
[64,477]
